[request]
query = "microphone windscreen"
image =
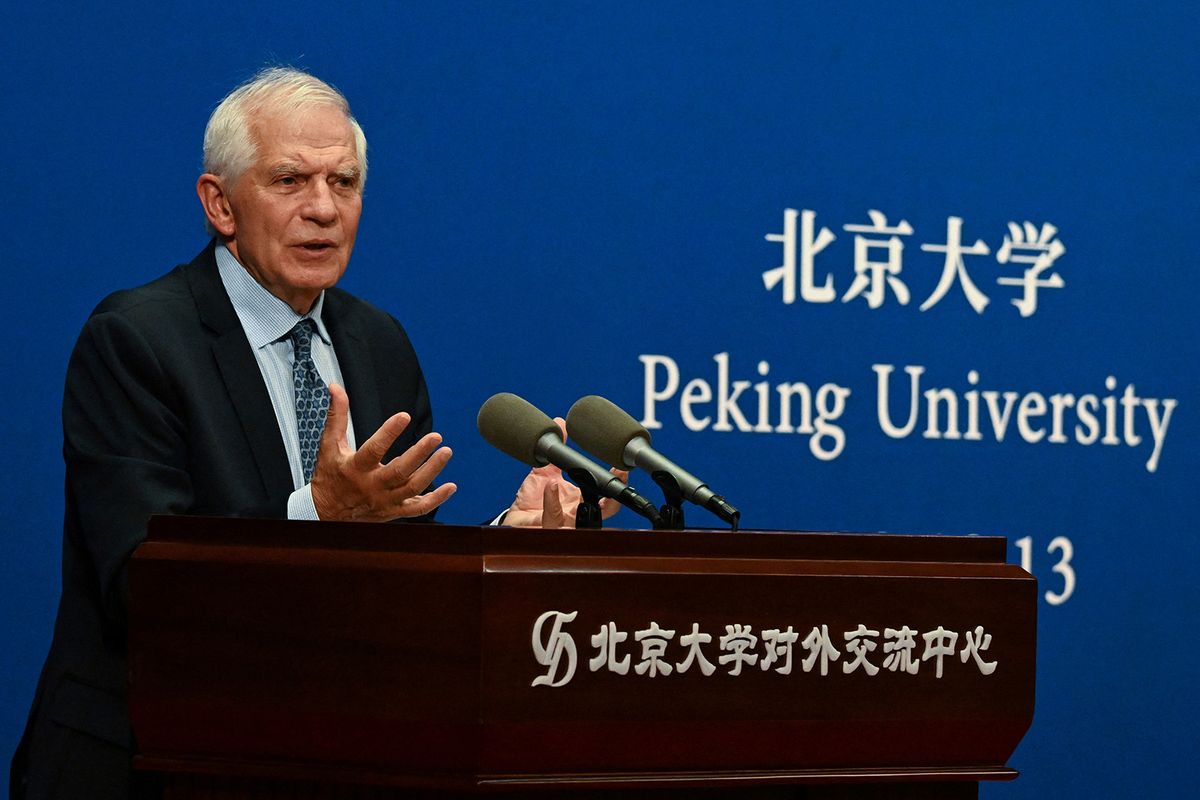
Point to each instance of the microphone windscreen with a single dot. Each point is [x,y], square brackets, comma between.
[603,429]
[512,425]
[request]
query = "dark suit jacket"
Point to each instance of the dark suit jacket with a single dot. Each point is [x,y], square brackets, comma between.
[165,411]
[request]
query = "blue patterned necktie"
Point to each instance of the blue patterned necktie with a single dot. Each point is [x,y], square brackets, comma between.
[312,395]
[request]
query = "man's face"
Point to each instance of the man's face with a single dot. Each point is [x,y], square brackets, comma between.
[295,211]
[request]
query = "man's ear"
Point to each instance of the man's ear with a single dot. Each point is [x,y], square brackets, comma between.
[213,197]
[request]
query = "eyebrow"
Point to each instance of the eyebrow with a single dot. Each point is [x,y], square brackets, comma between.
[285,168]
[295,168]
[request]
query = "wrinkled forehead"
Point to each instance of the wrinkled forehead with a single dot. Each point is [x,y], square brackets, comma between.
[324,127]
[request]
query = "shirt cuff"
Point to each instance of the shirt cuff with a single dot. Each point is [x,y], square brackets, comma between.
[300,504]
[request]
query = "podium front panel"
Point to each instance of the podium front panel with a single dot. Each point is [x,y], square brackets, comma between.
[418,655]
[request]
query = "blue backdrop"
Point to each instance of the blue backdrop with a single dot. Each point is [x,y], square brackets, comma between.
[564,195]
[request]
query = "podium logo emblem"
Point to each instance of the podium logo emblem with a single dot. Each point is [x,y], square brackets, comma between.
[549,649]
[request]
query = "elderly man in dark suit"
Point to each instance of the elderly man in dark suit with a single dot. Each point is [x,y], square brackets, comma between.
[242,383]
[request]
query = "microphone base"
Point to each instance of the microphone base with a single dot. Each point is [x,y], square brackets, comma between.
[672,518]
[587,515]
[671,511]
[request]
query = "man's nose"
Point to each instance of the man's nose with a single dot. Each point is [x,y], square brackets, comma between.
[319,204]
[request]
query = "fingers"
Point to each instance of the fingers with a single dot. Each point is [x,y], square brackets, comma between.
[372,451]
[355,485]
[400,470]
[608,507]
[552,510]
[423,475]
[425,503]
[334,435]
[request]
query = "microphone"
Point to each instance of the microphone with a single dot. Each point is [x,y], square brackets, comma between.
[604,430]
[513,426]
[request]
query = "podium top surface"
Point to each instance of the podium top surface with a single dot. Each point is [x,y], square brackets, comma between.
[479,540]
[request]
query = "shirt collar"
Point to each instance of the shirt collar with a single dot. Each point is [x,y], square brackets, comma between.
[264,317]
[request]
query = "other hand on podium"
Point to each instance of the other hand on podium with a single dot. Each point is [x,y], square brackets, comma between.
[545,499]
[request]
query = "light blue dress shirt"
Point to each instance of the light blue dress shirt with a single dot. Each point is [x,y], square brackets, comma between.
[268,321]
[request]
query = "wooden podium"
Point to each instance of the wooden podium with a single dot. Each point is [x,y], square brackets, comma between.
[318,660]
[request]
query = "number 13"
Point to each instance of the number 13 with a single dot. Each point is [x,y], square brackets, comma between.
[1063,567]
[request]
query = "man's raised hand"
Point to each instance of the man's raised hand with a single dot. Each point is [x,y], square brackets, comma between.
[352,484]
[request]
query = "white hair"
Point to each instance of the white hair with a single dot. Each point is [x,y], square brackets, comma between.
[229,147]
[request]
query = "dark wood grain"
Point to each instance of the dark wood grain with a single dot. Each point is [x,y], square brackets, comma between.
[400,657]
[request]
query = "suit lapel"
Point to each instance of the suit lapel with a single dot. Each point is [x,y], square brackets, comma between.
[241,375]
